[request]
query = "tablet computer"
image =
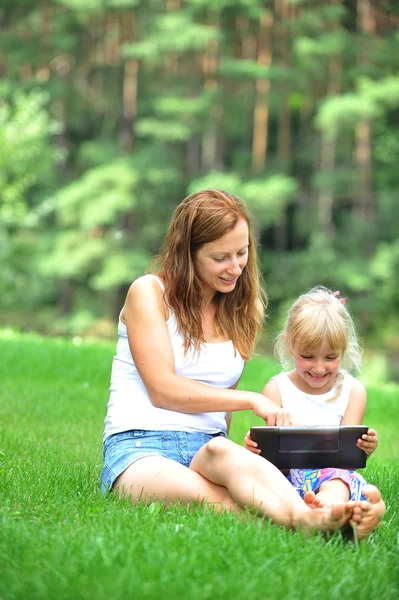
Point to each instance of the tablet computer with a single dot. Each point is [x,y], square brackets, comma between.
[311,447]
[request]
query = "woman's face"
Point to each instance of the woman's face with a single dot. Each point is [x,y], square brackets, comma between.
[219,264]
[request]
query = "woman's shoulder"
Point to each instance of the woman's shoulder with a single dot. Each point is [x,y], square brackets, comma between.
[146,290]
[146,286]
[148,281]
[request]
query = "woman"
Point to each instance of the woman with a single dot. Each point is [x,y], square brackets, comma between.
[184,336]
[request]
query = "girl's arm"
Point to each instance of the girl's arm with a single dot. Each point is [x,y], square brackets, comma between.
[354,416]
[145,315]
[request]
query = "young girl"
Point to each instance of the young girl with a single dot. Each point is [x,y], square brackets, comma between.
[320,338]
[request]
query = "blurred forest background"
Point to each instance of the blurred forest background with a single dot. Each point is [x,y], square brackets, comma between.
[112,111]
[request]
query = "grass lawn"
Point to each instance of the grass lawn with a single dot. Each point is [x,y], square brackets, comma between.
[61,539]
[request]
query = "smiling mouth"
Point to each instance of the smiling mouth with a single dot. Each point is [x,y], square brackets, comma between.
[318,377]
[228,280]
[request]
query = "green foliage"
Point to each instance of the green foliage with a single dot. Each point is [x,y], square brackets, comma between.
[163,38]
[163,130]
[372,100]
[27,163]
[26,158]
[111,111]
[121,268]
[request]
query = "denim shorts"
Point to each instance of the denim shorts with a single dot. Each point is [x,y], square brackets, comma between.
[123,449]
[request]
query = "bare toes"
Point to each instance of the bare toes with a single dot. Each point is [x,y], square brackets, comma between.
[312,501]
[365,506]
[372,493]
[309,497]
[356,514]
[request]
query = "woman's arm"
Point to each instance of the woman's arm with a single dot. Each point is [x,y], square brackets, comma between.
[228,422]
[145,314]
[230,414]
[354,415]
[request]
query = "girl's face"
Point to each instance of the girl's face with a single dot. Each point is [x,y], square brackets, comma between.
[219,264]
[316,369]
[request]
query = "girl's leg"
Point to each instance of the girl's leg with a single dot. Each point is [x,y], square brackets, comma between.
[254,482]
[333,492]
[372,511]
[157,478]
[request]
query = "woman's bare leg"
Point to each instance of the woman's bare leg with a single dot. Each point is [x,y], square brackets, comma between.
[254,482]
[157,478]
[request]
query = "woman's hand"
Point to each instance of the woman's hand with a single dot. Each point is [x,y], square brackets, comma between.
[273,415]
[271,412]
[368,441]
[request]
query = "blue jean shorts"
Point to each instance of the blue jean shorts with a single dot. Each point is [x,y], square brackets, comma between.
[123,449]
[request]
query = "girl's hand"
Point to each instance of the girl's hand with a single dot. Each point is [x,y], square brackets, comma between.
[368,441]
[250,444]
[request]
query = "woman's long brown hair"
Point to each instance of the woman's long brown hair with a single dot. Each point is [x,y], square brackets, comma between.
[200,218]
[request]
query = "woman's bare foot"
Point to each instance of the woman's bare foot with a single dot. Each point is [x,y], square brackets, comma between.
[371,512]
[312,501]
[326,518]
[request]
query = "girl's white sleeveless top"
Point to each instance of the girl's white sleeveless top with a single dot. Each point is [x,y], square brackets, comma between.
[314,409]
[130,406]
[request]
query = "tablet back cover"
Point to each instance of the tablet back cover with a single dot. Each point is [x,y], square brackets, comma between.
[311,447]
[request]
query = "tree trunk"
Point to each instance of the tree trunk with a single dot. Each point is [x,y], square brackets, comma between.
[328,145]
[46,22]
[261,112]
[212,155]
[365,194]
[129,91]
[283,59]
[365,208]
[127,138]
[325,198]
[65,299]
[246,48]
[193,156]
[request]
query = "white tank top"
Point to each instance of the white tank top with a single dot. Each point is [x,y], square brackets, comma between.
[313,409]
[130,406]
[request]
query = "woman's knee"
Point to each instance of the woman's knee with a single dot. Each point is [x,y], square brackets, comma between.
[221,449]
[213,452]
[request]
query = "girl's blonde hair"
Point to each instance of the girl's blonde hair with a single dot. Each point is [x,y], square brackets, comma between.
[200,218]
[318,317]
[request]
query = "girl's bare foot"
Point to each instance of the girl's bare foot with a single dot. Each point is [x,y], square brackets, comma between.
[371,512]
[312,501]
[327,518]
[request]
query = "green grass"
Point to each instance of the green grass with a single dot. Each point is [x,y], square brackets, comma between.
[61,539]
